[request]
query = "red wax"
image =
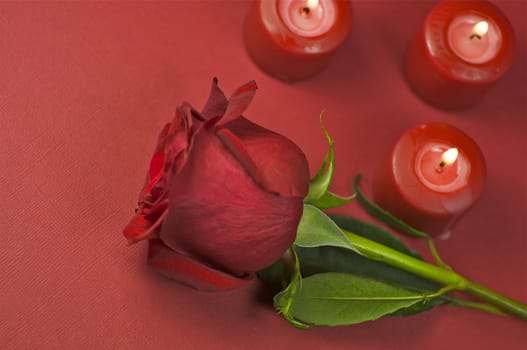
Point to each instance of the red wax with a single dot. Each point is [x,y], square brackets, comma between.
[462,49]
[413,185]
[294,39]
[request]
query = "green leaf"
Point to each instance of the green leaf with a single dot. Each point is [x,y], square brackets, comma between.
[317,229]
[331,200]
[335,299]
[383,215]
[333,259]
[322,247]
[284,300]
[318,194]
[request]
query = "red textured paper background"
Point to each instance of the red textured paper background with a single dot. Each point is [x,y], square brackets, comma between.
[84,90]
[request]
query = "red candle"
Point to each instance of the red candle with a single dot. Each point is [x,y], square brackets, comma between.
[433,175]
[294,39]
[463,48]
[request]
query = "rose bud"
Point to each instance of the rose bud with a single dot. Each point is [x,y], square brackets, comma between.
[223,196]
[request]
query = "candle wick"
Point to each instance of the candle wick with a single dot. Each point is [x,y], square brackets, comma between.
[439,169]
[475,36]
[304,11]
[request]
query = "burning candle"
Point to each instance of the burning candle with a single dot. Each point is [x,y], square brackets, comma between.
[308,18]
[463,48]
[473,39]
[433,175]
[295,39]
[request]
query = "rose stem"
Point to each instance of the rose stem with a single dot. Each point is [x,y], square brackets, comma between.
[444,276]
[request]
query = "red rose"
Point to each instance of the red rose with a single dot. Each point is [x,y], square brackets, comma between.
[223,196]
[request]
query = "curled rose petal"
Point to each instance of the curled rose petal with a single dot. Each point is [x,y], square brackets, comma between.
[217,102]
[186,270]
[143,226]
[239,102]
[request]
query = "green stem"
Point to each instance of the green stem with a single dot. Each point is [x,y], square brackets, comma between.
[469,304]
[495,298]
[438,274]
[434,252]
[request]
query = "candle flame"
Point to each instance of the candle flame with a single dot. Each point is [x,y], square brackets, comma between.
[449,156]
[481,28]
[312,3]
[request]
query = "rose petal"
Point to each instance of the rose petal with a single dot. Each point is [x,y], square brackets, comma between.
[153,189]
[238,102]
[219,214]
[238,149]
[178,141]
[188,271]
[155,173]
[141,227]
[136,227]
[158,159]
[217,102]
[280,165]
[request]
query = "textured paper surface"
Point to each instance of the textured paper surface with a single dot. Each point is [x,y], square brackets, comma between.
[84,91]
